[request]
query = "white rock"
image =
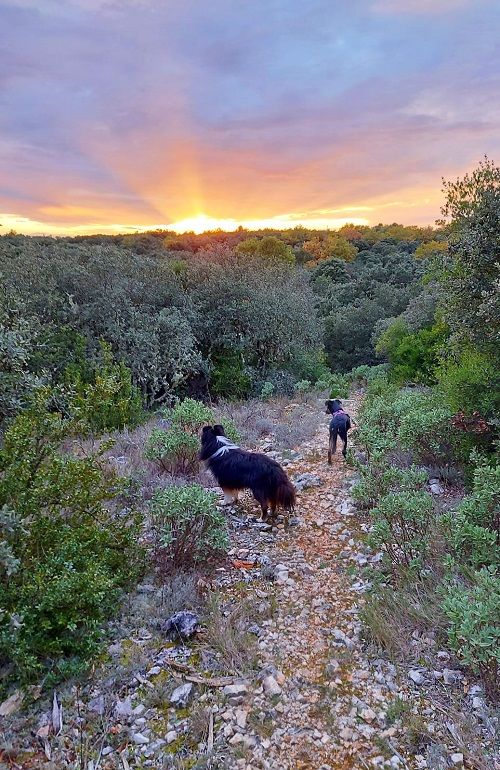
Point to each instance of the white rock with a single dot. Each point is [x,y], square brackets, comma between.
[368,714]
[181,695]
[271,686]
[140,739]
[416,676]
[171,736]
[457,759]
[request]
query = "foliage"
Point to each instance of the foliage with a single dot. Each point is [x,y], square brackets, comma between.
[228,376]
[379,478]
[364,375]
[327,246]
[401,527]
[269,248]
[108,400]
[474,633]
[267,390]
[17,341]
[354,298]
[413,357]
[338,385]
[71,550]
[166,324]
[469,381]
[175,449]
[303,386]
[190,530]
[469,271]
[475,526]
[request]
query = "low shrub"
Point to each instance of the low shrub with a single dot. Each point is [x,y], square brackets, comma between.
[267,390]
[190,530]
[362,376]
[470,382]
[401,527]
[175,449]
[107,399]
[338,385]
[474,632]
[380,477]
[474,528]
[303,386]
[70,550]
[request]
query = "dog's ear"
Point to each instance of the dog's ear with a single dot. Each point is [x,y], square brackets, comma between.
[328,405]
[206,429]
[219,430]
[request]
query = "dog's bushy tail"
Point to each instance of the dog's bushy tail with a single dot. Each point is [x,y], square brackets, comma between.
[285,494]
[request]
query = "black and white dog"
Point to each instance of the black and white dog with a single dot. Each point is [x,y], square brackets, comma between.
[339,425]
[236,469]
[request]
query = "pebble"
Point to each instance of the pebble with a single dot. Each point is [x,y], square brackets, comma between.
[171,736]
[140,739]
[271,686]
[416,676]
[182,695]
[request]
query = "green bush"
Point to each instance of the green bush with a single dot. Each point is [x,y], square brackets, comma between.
[470,382]
[413,357]
[303,386]
[474,528]
[474,632]
[228,376]
[338,385]
[190,415]
[175,449]
[190,530]
[267,391]
[109,401]
[380,477]
[401,527]
[364,375]
[71,549]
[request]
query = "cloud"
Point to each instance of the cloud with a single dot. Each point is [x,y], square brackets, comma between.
[148,112]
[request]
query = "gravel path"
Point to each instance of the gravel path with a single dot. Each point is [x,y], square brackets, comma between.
[319,696]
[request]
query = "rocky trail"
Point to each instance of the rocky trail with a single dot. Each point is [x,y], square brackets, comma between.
[277,677]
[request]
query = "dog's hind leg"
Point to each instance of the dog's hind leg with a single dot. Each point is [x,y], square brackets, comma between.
[261,498]
[332,445]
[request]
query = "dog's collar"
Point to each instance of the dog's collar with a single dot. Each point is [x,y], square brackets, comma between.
[226,447]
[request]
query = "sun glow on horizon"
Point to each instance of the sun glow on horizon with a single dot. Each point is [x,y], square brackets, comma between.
[202,223]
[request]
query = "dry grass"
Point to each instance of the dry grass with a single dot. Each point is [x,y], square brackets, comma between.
[227,635]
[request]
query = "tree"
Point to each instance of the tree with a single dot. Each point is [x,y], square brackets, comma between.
[327,246]
[269,248]
[469,271]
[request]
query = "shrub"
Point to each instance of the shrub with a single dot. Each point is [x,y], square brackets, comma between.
[189,528]
[401,527]
[470,382]
[413,357]
[474,528]
[338,385]
[267,390]
[425,427]
[379,478]
[70,552]
[228,376]
[363,375]
[190,415]
[109,401]
[176,448]
[474,633]
[173,450]
[303,386]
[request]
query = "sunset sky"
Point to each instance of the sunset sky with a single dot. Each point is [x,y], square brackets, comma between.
[118,115]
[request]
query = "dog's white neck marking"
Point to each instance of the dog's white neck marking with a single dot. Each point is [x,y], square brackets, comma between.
[227,445]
